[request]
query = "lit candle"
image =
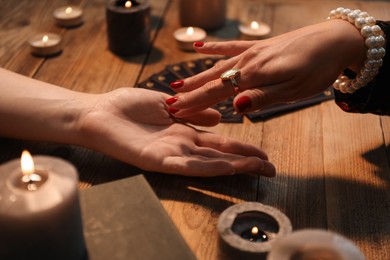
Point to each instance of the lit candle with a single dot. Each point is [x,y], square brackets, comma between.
[186,36]
[128,26]
[45,44]
[249,230]
[254,235]
[254,30]
[313,244]
[68,16]
[39,210]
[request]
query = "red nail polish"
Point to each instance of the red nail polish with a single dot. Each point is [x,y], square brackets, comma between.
[198,44]
[173,110]
[177,84]
[243,104]
[171,100]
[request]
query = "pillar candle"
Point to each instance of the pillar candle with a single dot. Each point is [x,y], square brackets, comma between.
[40,217]
[128,26]
[206,14]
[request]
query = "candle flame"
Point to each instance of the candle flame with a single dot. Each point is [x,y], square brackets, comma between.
[254,25]
[190,31]
[45,38]
[68,10]
[128,4]
[27,163]
[255,230]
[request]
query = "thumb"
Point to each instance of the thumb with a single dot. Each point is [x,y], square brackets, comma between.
[230,48]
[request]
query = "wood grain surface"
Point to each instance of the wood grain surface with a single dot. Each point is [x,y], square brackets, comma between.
[332,167]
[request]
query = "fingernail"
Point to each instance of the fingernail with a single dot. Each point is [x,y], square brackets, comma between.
[171,100]
[198,44]
[177,84]
[173,110]
[243,104]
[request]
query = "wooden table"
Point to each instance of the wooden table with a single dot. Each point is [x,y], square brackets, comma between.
[332,167]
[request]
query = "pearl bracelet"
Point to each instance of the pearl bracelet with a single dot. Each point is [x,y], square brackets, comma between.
[374,40]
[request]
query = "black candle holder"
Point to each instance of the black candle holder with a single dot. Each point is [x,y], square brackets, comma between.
[128,28]
[249,230]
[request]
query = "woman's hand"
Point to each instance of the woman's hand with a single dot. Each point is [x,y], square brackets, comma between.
[133,125]
[282,69]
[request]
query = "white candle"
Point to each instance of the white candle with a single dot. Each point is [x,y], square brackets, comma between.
[68,16]
[254,30]
[186,36]
[40,215]
[315,244]
[45,44]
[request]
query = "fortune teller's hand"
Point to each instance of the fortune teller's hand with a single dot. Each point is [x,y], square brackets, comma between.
[282,69]
[133,125]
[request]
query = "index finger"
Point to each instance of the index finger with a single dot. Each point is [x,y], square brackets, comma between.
[204,97]
[202,78]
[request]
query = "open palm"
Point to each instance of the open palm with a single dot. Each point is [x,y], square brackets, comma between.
[133,125]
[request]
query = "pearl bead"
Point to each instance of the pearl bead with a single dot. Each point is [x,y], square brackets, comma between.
[332,14]
[372,53]
[342,85]
[380,41]
[366,31]
[381,53]
[373,40]
[356,84]
[362,79]
[370,21]
[350,89]
[344,13]
[360,22]
[352,16]
[376,30]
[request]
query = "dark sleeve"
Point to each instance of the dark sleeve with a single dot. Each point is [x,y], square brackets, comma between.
[375,97]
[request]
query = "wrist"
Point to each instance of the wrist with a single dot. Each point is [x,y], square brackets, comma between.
[374,41]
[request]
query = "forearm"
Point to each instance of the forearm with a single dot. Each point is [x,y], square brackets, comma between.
[35,110]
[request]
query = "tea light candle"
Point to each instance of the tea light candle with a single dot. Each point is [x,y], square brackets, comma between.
[311,244]
[186,36]
[254,30]
[39,210]
[128,26]
[45,44]
[68,16]
[250,229]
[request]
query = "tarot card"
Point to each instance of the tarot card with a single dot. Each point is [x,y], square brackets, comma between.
[283,108]
[179,71]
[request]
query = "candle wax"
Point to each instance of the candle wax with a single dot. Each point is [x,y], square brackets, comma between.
[44,223]
[128,28]
[68,16]
[251,32]
[185,37]
[45,44]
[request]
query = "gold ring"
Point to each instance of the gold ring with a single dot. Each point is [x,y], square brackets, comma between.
[231,75]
